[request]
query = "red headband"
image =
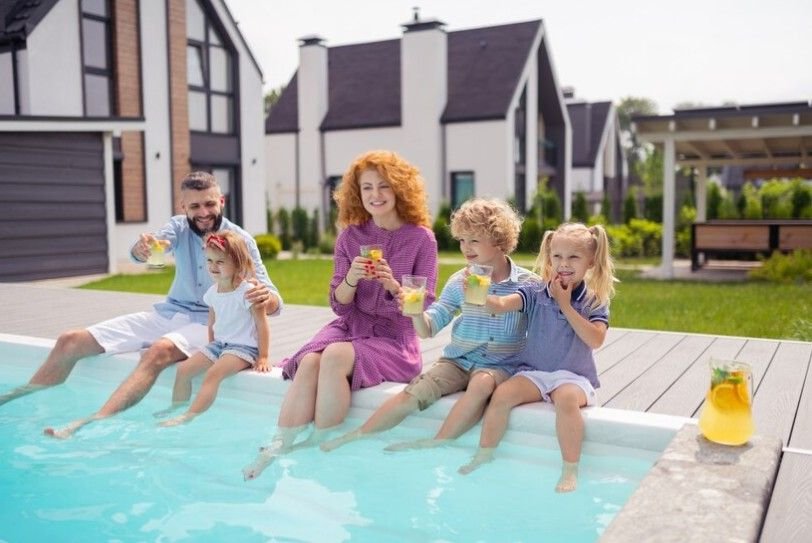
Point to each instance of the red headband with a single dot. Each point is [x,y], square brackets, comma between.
[218,242]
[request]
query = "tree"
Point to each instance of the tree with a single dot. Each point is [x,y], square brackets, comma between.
[626,109]
[580,210]
[272,97]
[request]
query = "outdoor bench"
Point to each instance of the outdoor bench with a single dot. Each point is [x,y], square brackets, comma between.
[734,238]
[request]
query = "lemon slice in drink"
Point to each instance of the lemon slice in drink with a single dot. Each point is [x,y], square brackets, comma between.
[723,396]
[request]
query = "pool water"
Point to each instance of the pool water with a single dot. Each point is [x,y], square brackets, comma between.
[124,479]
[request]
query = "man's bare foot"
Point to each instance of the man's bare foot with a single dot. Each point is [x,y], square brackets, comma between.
[569,477]
[428,443]
[333,444]
[482,456]
[19,392]
[177,421]
[69,430]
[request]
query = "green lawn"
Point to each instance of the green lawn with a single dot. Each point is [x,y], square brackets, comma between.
[751,309]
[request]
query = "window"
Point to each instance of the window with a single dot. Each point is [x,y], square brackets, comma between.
[462,188]
[210,73]
[520,153]
[97,58]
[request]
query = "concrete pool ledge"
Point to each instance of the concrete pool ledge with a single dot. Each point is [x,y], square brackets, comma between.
[700,491]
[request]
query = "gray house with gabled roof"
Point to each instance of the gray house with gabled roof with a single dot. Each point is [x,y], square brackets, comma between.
[599,165]
[479,111]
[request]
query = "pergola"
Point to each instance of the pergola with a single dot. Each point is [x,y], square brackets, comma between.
[771,137]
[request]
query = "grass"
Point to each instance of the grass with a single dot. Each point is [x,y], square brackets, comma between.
[751,309]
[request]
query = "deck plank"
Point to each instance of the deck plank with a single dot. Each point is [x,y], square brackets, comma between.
[607,357]
[788,517]
[779,394]
[802,429]
[644,391]
[618,377]
[685,395]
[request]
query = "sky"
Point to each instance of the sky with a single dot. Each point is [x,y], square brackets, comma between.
[706,52]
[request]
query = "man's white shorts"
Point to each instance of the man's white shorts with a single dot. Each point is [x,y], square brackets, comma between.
[137,331]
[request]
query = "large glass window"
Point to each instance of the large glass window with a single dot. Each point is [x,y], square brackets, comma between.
[210,72]
[96,53]
[462,188]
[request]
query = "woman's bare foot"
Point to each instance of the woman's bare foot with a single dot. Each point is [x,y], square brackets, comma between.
[428,443]
[482,456]
[569,477]
[262,461]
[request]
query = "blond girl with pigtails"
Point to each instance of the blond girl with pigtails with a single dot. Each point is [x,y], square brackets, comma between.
[568,316]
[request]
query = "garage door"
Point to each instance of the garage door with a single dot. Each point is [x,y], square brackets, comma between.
[52,218]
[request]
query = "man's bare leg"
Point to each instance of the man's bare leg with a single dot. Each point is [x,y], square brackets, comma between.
[387,416]
[70,347]
[161,354]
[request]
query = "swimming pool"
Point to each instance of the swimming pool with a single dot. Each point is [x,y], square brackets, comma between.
[124,479]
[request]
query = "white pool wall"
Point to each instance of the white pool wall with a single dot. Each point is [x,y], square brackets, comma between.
[617,427]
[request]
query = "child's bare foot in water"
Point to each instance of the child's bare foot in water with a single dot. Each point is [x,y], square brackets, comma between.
[569,477]
[482,456]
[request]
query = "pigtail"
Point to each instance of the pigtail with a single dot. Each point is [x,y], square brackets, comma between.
[543,265]
[601,278]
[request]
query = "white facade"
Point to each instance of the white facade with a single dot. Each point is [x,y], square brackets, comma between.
[51,68]
[485,148]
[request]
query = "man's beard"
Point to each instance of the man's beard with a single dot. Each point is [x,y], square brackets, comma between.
[218,220]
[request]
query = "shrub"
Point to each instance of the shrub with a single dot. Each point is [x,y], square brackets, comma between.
[650,234]
[313,230]
[299,225]
[283,223]
[530,236]
[606,209]
[751,203]
[630,206]
[622,242]
[268,244]
[687,215]
[714,200]
[653,207]
[580,212]
[801,200]
[795,267]
[327,244]
[442,232]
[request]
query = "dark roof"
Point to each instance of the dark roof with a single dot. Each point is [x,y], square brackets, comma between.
[284,115]
[484,66]
[364,86]
[588,121]
[19,17]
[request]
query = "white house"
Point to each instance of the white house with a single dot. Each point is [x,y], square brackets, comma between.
[104,107]
[479,111]
[599,164]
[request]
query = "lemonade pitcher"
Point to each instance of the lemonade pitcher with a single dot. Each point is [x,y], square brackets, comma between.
[727,416]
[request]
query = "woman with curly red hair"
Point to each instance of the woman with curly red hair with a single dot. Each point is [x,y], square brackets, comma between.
[382,201]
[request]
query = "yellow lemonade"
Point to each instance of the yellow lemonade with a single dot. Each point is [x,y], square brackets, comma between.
[372,252]
[156,258]
[727,416]
[477,289]
[413,300]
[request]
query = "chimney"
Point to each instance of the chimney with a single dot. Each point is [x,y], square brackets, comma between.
[312,96]
[424,93]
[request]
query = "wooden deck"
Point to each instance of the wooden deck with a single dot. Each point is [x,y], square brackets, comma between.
[657,372]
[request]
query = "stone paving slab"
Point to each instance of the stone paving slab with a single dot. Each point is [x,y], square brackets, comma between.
[699,491]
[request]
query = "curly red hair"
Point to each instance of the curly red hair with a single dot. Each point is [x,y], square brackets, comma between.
[411,202]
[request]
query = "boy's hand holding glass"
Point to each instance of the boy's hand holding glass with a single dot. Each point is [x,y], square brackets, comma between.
[477,282]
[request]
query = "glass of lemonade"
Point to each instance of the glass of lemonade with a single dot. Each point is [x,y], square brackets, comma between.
[373,252]
[478,283]
[727,416]
[414,294]
[157,255]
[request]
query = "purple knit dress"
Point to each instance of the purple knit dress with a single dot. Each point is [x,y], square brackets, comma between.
[386,345]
